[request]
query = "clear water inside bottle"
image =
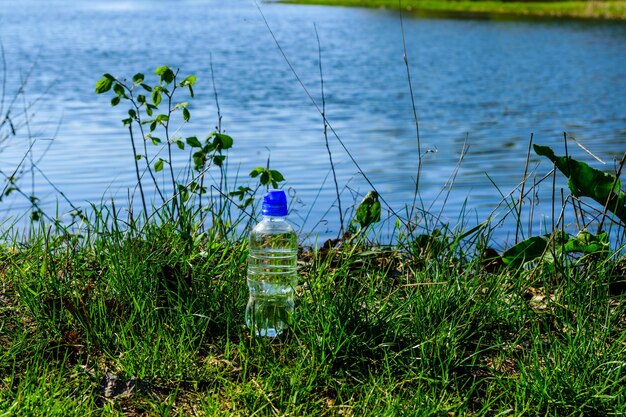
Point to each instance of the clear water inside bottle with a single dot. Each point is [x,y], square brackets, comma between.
[272,278]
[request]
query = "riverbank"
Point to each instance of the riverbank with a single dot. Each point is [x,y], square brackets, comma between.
[601,10]
[149,324]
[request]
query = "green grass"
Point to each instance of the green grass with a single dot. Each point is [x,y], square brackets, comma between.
[610,9]
[112,322]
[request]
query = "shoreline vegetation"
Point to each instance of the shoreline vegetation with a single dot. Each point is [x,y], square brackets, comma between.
[589,10]
[142,314]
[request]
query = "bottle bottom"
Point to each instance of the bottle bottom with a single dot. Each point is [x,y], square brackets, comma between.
[269,316]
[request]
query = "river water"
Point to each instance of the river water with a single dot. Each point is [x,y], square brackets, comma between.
[488,84]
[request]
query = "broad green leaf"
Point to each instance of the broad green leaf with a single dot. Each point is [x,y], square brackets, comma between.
[525,251]
[132,113]
[222,141]
[186,114]
[141,98]
[138,157]
[104,84]
[586,242]
[147,87]
[265,177]
[158,165]
[153,126]
[585,181]
[193,142]
[115,101]
[180,144]
[155,140]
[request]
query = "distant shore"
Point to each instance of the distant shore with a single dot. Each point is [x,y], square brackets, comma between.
[596,10]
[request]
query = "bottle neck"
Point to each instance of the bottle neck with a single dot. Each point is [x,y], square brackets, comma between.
[273,218]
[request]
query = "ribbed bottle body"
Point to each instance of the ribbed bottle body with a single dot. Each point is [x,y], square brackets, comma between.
[272,276]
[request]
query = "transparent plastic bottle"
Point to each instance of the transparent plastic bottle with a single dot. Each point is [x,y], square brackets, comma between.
[272,275]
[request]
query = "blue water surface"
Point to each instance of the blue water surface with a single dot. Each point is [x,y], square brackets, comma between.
[484,83]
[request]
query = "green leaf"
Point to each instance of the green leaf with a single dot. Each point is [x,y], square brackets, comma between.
[138,78]
[190,80]
[104,84]
[153,126]
[586,242]
[193,142]
[180,144]
[276,175]
[265,177]
[256,172]
[155,140]
[115,101]
[198,161]
[156,97]
[525,251]
[127,122]
[585,181]
[138,157]
[149,109]
[147,87]
[222,141]
[119,89]
[219,160]
[161,118]
[166,74]
[158,165]
[241,192]
[186,114]
[368,211]
[141,99]
[184,194]
[132,113]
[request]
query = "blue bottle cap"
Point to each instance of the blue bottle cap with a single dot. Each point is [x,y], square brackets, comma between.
[275,203]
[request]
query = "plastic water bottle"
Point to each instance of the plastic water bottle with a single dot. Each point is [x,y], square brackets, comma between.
[272,275]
